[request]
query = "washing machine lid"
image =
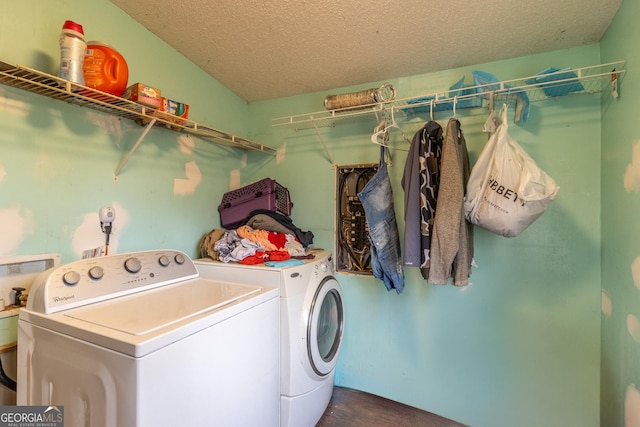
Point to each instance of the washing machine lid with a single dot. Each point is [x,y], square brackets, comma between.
[151,311]
[140,324]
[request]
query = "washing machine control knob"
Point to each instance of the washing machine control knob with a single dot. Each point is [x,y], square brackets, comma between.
[132,265]
[164,260]
[96,272]
[71,278]
[323,267]
[180,259]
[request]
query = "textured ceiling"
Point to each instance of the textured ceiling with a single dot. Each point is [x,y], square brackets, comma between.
[263,49]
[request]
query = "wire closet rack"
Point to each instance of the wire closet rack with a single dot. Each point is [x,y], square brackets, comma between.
[550,85]
[44,84]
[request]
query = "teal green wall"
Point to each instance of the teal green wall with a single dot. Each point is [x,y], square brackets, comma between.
[57,161]
[620,366]
[521,345]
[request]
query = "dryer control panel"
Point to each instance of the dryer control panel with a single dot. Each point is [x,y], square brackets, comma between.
[98,279]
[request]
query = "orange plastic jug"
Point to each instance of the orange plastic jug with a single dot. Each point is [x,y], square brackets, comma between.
[105,69]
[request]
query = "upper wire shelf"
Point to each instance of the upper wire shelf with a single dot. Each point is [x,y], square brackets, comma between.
[584,80]
[40,83]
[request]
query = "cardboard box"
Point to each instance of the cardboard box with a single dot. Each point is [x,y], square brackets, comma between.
[143,94]
[176,109]
[172,111]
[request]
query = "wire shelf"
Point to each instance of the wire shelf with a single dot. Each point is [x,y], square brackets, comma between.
[540,87]
[40,83]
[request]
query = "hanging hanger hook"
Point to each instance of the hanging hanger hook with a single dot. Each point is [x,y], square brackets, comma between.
[431,110]
[394,124]
[455,101]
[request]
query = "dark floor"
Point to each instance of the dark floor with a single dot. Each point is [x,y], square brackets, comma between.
[353,408]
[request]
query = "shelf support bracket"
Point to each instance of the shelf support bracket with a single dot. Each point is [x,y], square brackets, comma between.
[326,151]
[133,149]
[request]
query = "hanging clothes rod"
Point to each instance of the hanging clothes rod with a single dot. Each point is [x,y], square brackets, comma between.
[592,79]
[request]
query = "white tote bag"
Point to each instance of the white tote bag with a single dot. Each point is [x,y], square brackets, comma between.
[507,191]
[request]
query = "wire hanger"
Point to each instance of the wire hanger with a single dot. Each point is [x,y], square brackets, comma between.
[431,110]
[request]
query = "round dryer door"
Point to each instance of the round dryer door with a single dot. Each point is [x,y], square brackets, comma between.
[324,330]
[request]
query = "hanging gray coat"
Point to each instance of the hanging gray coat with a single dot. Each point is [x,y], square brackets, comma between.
[452,240]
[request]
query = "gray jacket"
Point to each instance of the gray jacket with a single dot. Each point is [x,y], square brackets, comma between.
[452,239]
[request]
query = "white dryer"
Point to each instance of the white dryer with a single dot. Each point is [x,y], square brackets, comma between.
[311,327]
[140,339]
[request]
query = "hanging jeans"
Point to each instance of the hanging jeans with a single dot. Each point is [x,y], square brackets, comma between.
[377,200]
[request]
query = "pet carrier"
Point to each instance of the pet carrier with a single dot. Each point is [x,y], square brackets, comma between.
[266,194]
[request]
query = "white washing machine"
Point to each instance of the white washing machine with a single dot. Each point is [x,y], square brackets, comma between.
[311,327]
[140,339]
